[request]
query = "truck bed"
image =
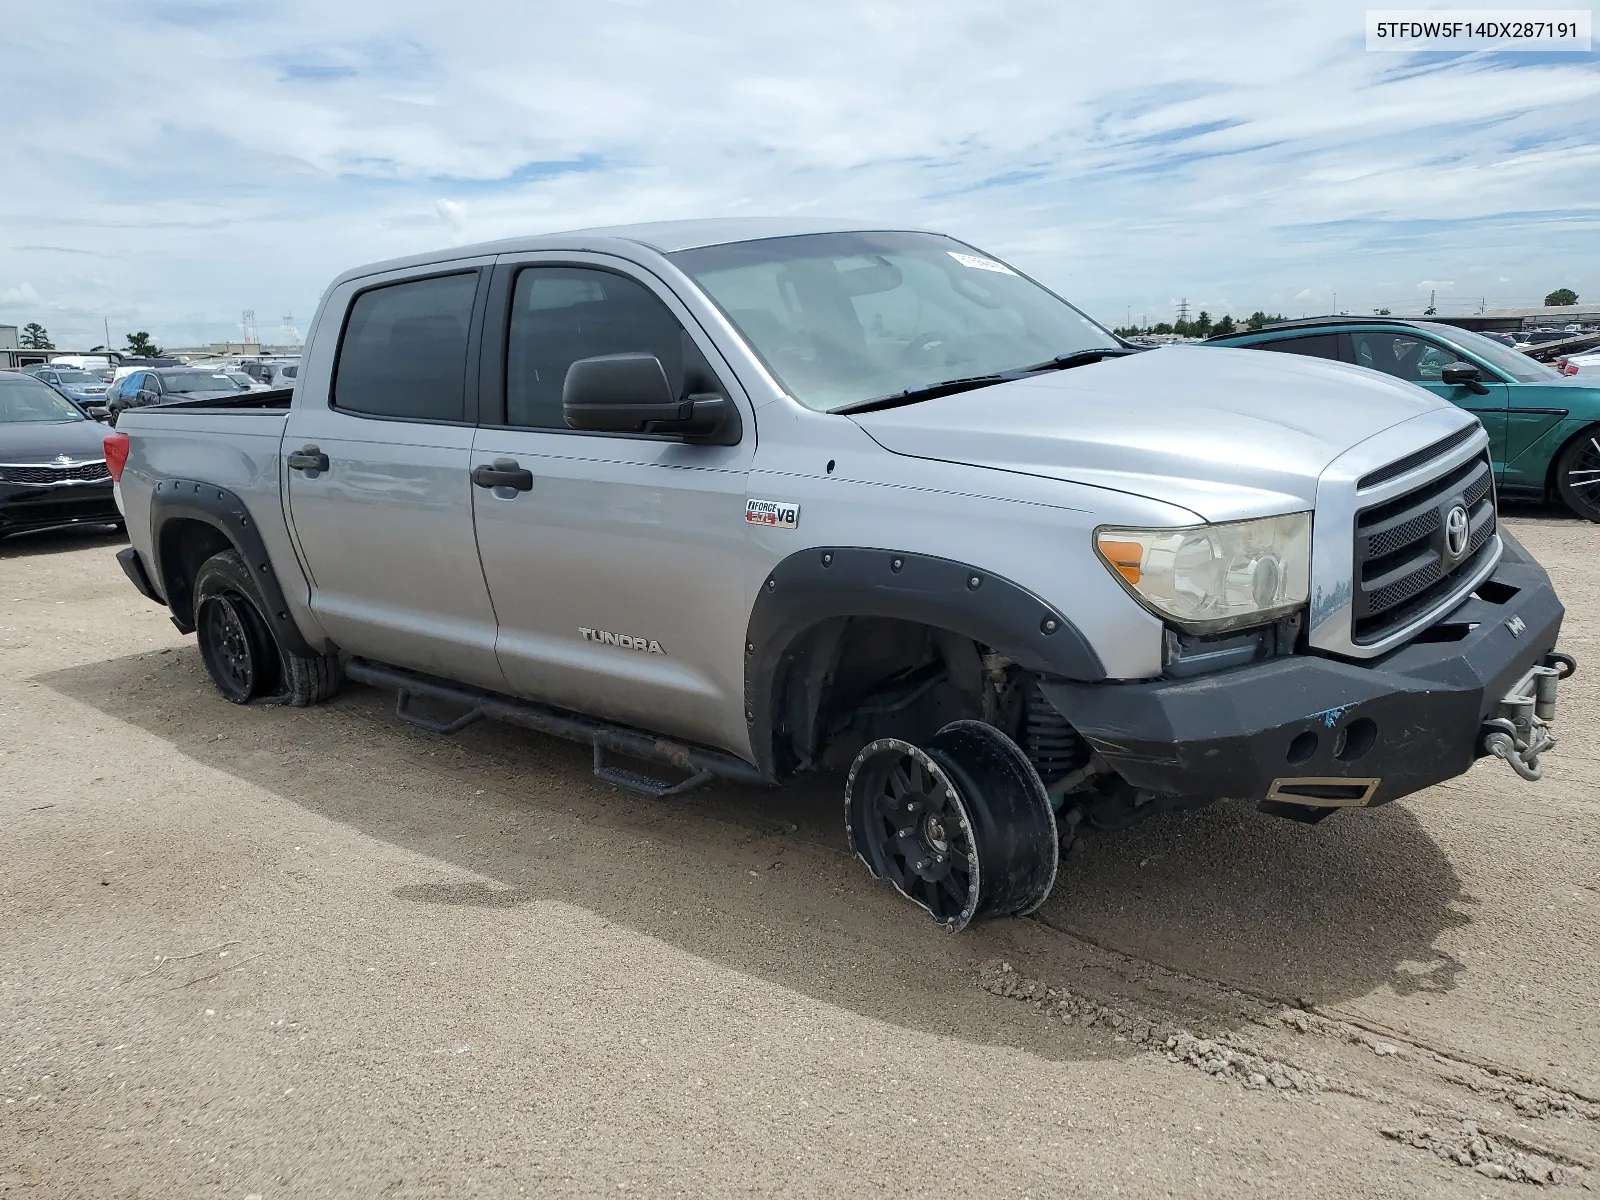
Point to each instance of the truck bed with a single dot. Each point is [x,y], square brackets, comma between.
[274,398]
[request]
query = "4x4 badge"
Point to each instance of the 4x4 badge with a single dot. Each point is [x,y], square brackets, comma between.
[1517,626]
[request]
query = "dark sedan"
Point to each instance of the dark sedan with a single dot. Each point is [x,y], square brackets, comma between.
[52,460]
[166,385]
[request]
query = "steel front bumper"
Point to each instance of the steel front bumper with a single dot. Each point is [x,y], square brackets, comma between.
[1323,733]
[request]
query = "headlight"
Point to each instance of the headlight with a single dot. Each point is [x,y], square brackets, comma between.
[1209,578]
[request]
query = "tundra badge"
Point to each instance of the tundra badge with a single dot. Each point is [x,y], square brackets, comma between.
[626,641]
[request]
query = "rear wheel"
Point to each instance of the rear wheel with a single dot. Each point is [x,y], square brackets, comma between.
[1578,474]
[961,827]
[242,656]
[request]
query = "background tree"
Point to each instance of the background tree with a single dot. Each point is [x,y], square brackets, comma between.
[141,345]
[36,337]
[1202,324]
[1380,312]
[1224,327]
[1561,296]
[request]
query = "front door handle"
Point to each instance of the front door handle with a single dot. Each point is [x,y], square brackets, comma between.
[308,458]
[504,473]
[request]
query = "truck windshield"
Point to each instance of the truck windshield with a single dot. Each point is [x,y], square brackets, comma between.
[842,318]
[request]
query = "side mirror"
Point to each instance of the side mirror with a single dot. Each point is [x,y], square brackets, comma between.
[1464,374]
[629,393]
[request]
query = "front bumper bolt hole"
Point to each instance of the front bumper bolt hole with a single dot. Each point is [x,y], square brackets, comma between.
[1303,747]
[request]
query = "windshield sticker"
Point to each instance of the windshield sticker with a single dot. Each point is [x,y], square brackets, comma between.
[981,264]
[776,514]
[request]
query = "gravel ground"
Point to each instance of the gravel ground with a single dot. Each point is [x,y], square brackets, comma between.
[272,953]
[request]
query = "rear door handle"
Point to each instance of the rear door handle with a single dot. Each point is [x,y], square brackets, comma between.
[308,458]
[504,473]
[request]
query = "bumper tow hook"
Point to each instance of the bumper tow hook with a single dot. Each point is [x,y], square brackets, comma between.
[1520,730]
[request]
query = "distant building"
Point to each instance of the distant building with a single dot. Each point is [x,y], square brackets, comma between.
[8,337]
[1510,320]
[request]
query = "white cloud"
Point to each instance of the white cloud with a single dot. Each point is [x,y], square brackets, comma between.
[454,215]
[23,293]
[1227,158]
[1441,285]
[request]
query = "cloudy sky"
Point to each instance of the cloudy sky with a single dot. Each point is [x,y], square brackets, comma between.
[169,163]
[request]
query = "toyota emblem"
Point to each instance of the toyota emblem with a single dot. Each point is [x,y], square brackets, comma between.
[1456,528]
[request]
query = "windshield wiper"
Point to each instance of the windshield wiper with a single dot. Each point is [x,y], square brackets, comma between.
[949,387]
[930,391]
[1078,358]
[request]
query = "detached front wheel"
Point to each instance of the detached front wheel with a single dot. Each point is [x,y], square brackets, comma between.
[961,827]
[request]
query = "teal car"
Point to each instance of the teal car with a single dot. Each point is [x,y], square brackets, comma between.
[1544,427]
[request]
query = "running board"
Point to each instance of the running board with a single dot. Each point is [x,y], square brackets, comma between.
[602,735]
[644,785]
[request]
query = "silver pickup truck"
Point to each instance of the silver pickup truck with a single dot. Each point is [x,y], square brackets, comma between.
[756,499]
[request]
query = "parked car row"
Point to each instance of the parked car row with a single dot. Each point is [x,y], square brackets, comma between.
[167,384]
[87,388]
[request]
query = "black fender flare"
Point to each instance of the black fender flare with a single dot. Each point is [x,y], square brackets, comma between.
[825,583]
[223,510]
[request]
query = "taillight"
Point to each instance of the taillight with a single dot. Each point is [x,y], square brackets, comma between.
[116,445]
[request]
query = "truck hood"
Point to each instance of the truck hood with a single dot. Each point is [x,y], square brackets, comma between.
[1227,434]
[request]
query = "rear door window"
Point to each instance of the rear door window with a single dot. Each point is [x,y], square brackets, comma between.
[404,352]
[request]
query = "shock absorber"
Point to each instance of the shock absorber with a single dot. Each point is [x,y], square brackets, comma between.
[1051,743]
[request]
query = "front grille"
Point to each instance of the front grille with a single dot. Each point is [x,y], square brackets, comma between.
[80,473]
[1402,560]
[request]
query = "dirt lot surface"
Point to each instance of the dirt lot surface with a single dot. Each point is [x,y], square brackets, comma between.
[259,952]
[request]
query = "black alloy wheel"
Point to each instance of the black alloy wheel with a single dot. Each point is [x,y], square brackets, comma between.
[1578,475]
[962,827]
[231,648]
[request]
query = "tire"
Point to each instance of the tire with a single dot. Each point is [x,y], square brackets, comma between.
[243,658]
[1578,474]
[962,827]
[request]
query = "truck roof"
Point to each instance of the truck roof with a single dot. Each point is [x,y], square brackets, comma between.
[665,237]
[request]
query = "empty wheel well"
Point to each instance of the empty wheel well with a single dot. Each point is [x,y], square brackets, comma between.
[184,544]
[850,680]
